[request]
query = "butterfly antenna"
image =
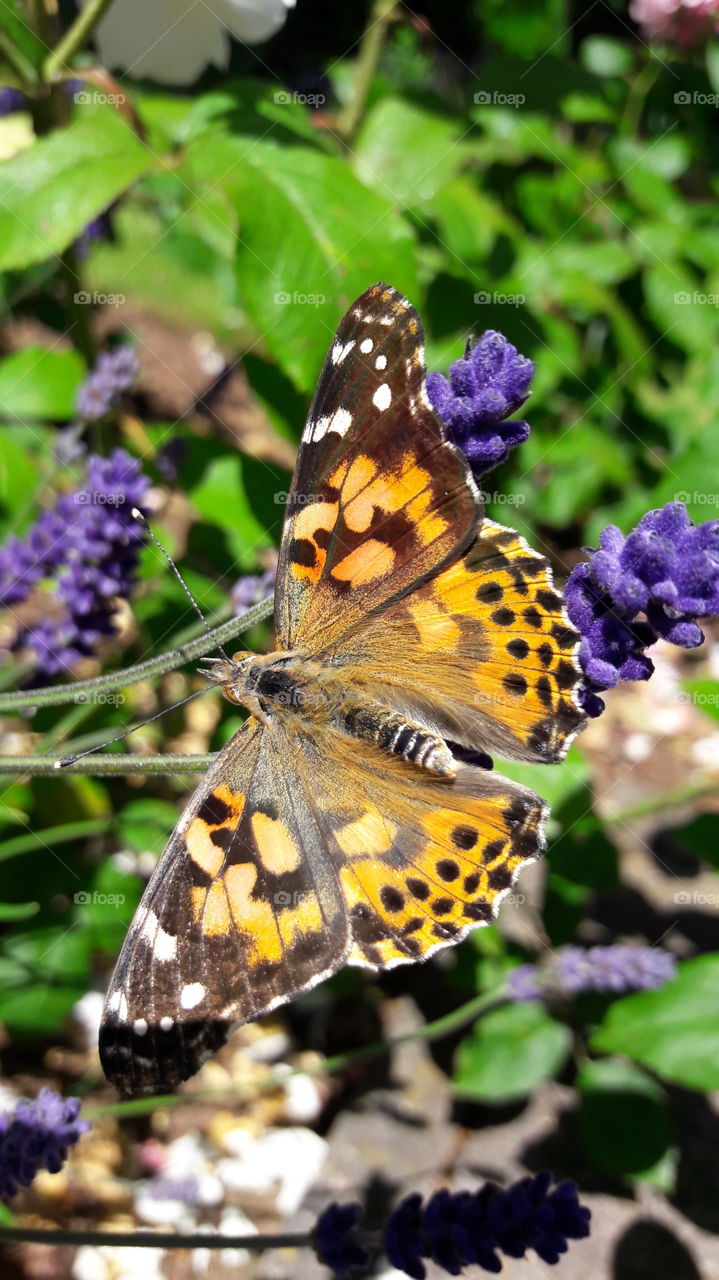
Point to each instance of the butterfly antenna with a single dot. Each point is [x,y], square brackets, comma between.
[139,517]
[64,761]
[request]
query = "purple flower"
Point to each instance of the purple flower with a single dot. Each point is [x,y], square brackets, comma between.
[114,372]
[461,1229]
[666,569]
[252,588]
[530,1216]
[37,1136]
[11,100]
[87,546]
[522,983]
[336,1241]
[614,969]
[483,390]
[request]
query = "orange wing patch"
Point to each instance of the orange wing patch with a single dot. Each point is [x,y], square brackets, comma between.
[442,876]
[483,650]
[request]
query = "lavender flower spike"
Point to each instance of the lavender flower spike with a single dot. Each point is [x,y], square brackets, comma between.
[88,547]
[667,569]
[114,372]
[615,969]
[37,1135]
[483,390]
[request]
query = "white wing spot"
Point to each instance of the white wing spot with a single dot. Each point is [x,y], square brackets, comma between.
[340,422]
[380,362]
[166,1024]
[139,1026]
[382,397]
[316,430]
[191,994]
[165,945]
[339,352]
[366,346]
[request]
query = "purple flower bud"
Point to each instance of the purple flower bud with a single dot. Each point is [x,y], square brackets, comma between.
[37,1135]
[668,570]
[483,390]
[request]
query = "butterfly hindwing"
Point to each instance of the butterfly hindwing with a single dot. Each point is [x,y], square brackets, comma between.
[240,915]
[483,651]
[379,497]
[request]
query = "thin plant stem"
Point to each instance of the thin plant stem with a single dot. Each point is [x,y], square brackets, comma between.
[58,694]
[74,39]
[381,14]
[117,764]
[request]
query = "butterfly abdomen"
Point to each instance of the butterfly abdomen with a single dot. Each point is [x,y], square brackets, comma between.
[394,733]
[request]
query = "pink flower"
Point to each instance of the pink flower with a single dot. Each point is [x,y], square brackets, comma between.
[684,22]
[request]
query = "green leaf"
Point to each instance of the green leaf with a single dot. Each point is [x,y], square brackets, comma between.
[63,181]
[686,314]
[311,239]
[674,1030]
[703,694]
[623,1116]
[510,1051]
[19,475]
[222,497]
[48,837]
[37,383]
[18,910]
[526,27]
[43,973]
[15,31]
[712,62]
[606,57]
[406,153]
[146,824]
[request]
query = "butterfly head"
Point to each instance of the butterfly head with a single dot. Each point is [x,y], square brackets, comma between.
[231,674]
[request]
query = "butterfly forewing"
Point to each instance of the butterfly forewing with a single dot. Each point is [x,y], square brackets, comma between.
[379,498]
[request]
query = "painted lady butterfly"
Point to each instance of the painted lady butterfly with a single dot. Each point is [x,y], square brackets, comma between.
[336,826]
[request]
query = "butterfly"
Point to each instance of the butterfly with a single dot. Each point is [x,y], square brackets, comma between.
[339,825]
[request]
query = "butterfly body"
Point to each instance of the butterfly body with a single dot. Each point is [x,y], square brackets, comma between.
[337,826]
[300,690]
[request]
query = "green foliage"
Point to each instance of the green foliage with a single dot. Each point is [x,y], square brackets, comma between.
[563,196]
[675,1030]
[509,1053]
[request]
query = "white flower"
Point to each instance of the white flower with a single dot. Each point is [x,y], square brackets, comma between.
[171,41]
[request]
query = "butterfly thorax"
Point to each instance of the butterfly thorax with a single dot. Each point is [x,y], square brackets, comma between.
[293,686]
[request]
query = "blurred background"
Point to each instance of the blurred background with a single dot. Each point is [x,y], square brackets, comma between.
[190,198]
